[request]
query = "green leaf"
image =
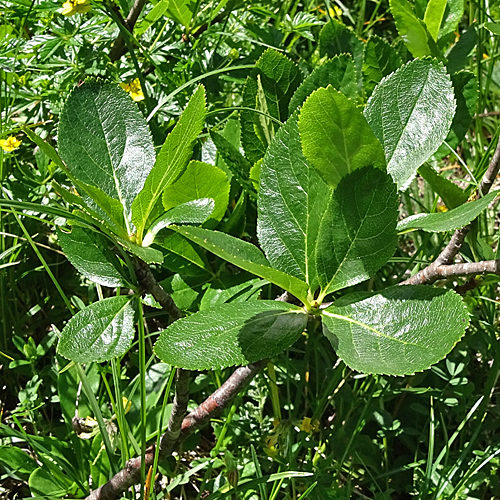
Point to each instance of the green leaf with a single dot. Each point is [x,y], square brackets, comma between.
[412,30]
[449,192]
[336,137]
[147,254]
[16,462]
[232,334]
[180,11]
[291,203]
[410,112]
[238,165]
[454,11]
[88,251]
[156,13]
[184,255]
[46,148]
[399,331]
[49,483]
[335,38]
[381,59]
[271,85]
[339,72]
[434,16]
[492,27]
[105,142]
[191,212]
[172,159]
[447,221]
[466,94]
[357,235]
[458,57]
[244,255]
[199,180]
[100,332]
[231,288]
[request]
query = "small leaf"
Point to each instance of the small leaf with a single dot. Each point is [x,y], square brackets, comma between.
[199,180]
[172,159]
[180,12]
[447,221]
[184,256]
[147,254]
[381,59]
[156,13]
[458,57]
[105,142]
[357,235]
[399,331]
[339,72]
[434,16]
[232,334]
[454,12]
[336,138]
[191,212]
[244,255]
[449,192]
[410,112]
[279,77]
[412,30]
[292,200]
[88,252]
[492,27]
[100,332]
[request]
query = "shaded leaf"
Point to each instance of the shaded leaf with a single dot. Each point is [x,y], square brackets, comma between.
[100,332]
[357,235]
[410,112]
[336,138]
[458,57]
[231,334]
[189,255]
[449,192]
[398,331]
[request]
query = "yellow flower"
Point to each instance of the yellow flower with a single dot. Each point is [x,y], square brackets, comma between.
[72,7]
[10,144]
[134,89]
[309,426]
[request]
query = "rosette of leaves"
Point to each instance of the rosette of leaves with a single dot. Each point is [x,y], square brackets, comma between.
[123,196]
[327,214]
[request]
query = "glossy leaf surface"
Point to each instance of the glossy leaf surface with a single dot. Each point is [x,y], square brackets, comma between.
[447,221]
[231,334]
[399,331]
[88,252]
[100,332]
[336,138]
[410,112]
[105,141]
[291,203]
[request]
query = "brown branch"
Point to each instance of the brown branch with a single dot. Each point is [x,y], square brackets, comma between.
[181,399]
[216,402]
[149,284]
[119,48]
[447,256]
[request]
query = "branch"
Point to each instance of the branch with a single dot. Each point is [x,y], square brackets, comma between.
[119,48]
[216,402]
[150,285]
[181,399]
[446,257]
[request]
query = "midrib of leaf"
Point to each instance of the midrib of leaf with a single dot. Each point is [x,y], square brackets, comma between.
[410,115]
[370,328]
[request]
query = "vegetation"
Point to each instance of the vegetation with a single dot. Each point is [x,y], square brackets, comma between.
[249,250]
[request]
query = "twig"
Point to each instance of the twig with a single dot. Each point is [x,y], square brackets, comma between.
[181,399]
[149,284]
[119,48]
[446,257]
[216,402]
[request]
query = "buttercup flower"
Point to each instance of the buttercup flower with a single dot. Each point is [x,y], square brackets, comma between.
[134,89]
[72,7]
[10,144]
